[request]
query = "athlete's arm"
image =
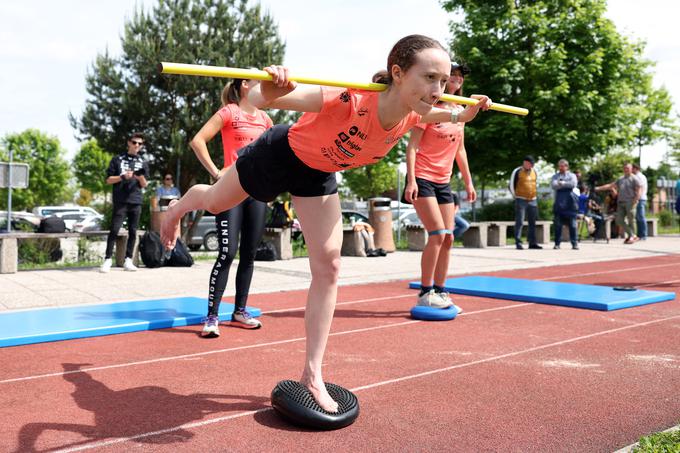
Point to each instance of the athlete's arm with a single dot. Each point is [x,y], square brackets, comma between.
[411,189]
[462,161]
[282,93]
[200,144]
[438,115]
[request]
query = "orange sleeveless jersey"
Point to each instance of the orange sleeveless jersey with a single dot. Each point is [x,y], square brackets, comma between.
[240,129]
[346,133]
[437,150]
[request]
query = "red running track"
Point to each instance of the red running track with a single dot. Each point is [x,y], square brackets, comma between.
[504,376]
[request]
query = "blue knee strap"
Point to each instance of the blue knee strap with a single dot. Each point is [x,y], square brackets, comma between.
[432,233]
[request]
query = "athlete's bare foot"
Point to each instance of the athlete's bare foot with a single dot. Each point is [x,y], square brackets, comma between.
[170,227]
[319,392]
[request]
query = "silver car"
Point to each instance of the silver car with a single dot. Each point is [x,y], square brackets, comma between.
[204,234]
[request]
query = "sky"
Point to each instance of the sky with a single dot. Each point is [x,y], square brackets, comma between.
[47,47]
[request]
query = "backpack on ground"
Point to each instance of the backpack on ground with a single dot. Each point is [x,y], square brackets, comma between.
[151,249]
[180,256]
[52,224]
[266,252]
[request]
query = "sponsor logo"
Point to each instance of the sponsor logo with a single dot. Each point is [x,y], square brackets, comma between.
[344,96]
[347,153]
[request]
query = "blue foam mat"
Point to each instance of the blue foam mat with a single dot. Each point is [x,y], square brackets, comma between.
[66,323]
[555,293]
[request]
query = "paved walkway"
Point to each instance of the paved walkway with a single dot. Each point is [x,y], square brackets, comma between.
[31,289]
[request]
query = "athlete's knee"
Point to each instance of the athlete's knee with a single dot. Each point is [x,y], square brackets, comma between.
[326,268]
[447,240]
[436,237]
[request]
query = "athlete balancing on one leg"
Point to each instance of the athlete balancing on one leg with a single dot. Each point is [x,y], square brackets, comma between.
[341,129]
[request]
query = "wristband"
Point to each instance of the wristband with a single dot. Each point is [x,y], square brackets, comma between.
[454,116]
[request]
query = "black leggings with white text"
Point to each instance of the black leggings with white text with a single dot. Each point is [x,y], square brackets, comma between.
[247,221]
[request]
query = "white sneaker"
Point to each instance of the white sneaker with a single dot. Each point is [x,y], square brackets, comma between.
[445,297]
[432,299]
[106,266]
[241,318]
[211,328]
[128,266]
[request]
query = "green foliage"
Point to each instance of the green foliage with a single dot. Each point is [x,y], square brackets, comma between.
[665,217]
[90,164]
[38,251]
[128,94]
[666,442]
[607,167]
[373,180]
[652,111]
[674,143]
[581,80]
[664,170]
[84,197]
[48,173]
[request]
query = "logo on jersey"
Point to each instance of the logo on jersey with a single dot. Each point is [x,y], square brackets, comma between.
[344,96]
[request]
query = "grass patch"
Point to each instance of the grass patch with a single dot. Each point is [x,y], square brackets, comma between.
[26,266]
[665,442]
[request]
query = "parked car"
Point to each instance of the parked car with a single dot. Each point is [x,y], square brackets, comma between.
[404,218]
[70,218]
[46,211]
[21,221]
[350,217]
[89,223]
[204,234]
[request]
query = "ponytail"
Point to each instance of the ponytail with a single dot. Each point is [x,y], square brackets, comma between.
[231,94]
[382,77]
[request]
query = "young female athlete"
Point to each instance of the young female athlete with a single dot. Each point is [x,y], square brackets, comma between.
[240,123]
[343,128]
[430,154]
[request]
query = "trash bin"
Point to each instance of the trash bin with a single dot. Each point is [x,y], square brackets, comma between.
[380,218]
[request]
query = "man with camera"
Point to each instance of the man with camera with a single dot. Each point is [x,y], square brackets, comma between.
[127,172]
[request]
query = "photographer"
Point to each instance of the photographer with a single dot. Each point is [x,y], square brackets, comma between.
[127,172]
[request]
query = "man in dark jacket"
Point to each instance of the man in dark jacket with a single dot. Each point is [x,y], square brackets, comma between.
[127,172]
[566,203]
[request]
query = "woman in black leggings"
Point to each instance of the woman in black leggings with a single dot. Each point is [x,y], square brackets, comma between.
[240,123]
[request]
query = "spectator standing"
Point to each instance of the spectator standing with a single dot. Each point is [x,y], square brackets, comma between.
[127,173]
[640,211]
[565,208]
[629,190]
[523,183]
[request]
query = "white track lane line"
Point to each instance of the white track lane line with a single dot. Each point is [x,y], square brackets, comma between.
[239,348]
[218,351]
[370,386]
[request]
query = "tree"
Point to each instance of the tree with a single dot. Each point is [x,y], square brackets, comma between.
[48,173]
[128,94]
[652,112]
[674,144]
[90,164]
[564,61]
[607,167]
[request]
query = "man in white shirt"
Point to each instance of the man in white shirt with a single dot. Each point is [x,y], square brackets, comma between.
[640,218]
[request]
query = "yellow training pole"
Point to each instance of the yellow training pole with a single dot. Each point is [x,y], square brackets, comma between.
[238,73]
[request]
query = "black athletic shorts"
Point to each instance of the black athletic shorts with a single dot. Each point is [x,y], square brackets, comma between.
[432,189]
[268,167]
